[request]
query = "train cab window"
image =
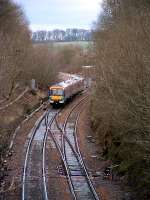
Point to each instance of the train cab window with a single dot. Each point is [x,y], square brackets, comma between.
[58,92]
[49,92]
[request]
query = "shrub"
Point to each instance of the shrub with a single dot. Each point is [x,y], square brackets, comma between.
[120,105]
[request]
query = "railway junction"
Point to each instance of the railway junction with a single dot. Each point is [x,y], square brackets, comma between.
[55,156]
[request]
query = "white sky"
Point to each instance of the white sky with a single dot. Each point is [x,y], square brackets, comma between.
[62,14]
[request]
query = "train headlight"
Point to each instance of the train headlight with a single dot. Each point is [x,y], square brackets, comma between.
[51,100]
[61,99]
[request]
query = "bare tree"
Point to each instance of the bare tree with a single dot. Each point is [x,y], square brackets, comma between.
[44,67]
[120,106]
[15,42]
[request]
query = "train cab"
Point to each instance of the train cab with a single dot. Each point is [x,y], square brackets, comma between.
[65,90]
[56,95]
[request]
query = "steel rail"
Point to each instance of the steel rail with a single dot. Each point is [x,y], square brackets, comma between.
[78,153]
[66,138]
[64,162]
[19,126]
[44,116]
[44,152]
[63,133]
[65,123]
[62,129]
[81,158]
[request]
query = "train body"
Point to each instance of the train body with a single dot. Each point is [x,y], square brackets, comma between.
[61,92]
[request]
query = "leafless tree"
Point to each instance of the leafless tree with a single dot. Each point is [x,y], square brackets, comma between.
[120,106]
[15,42]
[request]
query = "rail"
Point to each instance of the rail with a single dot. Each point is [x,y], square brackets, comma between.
[76,152]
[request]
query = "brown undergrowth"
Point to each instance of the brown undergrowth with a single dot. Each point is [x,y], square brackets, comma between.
[121,98]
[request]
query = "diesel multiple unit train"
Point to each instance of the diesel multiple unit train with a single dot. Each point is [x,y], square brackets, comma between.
[61,92]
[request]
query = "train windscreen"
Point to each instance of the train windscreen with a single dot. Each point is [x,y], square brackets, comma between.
[56,92]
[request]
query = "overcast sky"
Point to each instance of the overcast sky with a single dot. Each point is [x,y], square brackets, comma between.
[62,14]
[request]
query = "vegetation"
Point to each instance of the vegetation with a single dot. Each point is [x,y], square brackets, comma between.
[121,100]
[67,56]
[14,42]
[43,68]
[19,63]
[83,44]
[21,60]
[71,58]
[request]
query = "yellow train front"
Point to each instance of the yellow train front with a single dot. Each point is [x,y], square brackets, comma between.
[61,92]
[56,95]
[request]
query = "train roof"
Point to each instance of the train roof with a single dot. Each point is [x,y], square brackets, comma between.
[72,80]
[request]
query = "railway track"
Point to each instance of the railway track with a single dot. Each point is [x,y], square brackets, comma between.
[34,184]
[34,180]
[66,142]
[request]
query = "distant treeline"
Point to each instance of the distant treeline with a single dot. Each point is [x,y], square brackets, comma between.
[61,35]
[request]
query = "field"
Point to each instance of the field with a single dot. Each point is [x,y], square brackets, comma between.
[83,44]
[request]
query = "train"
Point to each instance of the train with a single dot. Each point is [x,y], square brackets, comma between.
[65,90]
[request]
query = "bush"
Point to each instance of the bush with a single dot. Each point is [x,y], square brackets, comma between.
[120,105]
